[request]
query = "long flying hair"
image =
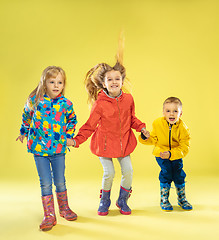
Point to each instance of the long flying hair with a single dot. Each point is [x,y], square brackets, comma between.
[95,76]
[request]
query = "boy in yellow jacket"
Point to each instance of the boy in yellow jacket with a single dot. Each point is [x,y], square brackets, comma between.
[171,138]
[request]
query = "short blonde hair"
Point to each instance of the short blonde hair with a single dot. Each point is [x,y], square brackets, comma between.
[173,100]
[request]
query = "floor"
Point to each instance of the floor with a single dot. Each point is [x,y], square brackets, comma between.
[21,213]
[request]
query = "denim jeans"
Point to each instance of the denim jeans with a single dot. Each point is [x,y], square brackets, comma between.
[109,172]
[51,169]
[171,171]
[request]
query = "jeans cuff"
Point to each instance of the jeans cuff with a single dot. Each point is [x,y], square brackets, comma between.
[180,185]
[168,185]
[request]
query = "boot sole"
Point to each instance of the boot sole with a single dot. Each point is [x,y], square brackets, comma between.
[48,228]
[102,213]
[122,212]
[185,209]
[167,210]
[69,219]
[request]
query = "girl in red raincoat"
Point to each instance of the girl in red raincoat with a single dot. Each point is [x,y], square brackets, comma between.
[111,121]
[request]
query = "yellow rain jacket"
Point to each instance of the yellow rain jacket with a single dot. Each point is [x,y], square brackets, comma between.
[167,137]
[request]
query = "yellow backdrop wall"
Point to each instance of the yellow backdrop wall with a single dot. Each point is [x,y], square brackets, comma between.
[171,49]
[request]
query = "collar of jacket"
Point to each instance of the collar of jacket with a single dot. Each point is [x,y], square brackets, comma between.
[52,99]
[176,123]
[104,95]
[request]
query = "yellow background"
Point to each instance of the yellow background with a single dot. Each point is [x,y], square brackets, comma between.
[171,49]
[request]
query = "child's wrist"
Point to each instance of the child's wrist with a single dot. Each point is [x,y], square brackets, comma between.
[143,136]
[143,129]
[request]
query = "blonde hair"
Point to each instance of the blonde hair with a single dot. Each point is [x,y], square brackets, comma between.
[173,100]
[95,76]
[40,90]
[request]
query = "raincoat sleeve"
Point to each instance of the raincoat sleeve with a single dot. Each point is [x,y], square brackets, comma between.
[135,122]
[71,121]
[152,140]
[184,143]
[89,127]
[26,118]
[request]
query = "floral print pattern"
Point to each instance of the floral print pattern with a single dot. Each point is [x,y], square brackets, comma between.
[48,125]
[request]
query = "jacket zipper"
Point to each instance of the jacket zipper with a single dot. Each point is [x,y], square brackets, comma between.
[170,128]
[120,126]
[105,144]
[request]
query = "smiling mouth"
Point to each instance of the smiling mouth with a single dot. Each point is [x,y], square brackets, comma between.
[171,119]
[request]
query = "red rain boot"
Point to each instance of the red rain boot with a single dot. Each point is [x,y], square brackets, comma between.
[64,209]
[49,219]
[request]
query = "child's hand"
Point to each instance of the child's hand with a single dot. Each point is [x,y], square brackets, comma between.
[75,144]
[70,142]
[146,133]
[165,155]
[21,138]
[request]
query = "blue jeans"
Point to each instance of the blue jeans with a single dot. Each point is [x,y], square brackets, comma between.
[171,171]
[51,169]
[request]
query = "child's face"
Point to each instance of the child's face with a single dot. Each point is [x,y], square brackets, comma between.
[172,112]
[113,83]
[54,86]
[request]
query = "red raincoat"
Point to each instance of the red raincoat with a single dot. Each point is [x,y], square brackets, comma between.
[111,121]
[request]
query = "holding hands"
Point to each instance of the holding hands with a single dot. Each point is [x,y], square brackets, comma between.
[70,142]
[146,133]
